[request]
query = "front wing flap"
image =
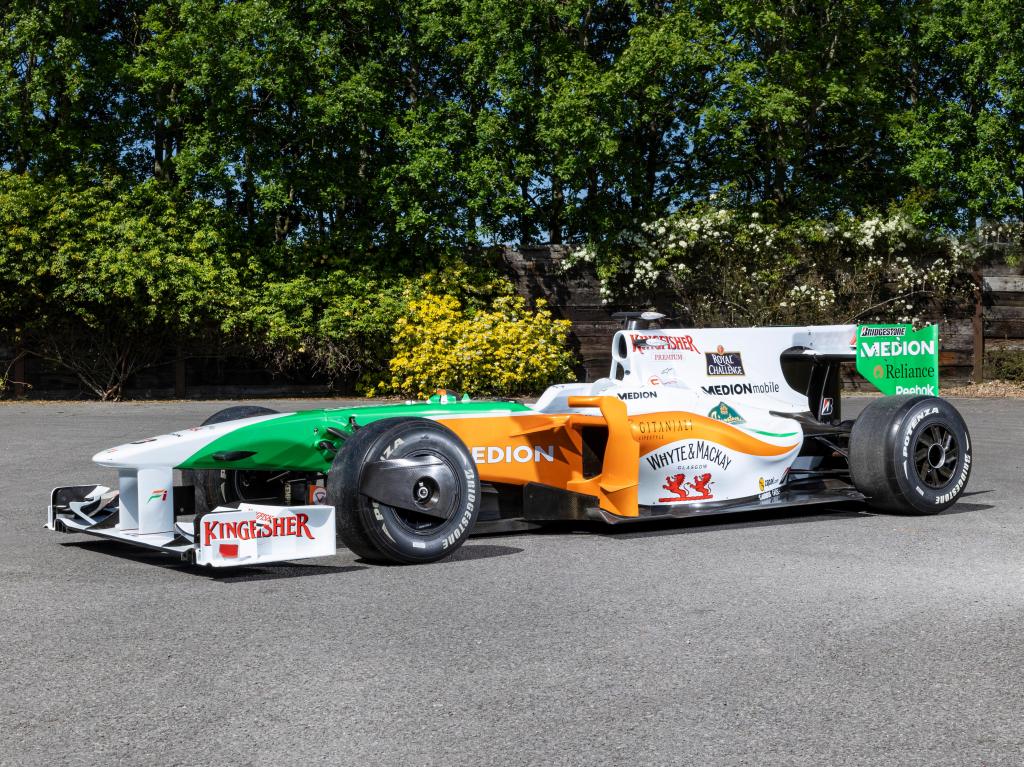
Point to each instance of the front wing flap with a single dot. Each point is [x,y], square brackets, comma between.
[252,534]
[255,534]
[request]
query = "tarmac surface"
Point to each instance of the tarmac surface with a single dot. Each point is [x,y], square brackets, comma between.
[834,637]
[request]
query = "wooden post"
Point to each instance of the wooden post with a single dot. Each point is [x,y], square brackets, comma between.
[978,370]
[180,384]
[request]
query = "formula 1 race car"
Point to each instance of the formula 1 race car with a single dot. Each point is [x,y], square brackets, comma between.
[689,422]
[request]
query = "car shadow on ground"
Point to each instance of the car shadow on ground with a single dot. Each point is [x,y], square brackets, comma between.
[711,523]
[965,508]
[223,575]
[275,572]
[852,510]
[469,551]
[464,553]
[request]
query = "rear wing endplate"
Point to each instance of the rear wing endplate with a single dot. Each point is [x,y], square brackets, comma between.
[896,359]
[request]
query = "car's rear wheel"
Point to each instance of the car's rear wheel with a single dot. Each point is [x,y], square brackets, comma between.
[226,487]
[910,454]
[405,491]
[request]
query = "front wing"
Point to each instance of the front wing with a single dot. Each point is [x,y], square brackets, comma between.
[252,534]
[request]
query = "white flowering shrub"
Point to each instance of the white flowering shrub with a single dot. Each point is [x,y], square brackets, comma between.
[718,266]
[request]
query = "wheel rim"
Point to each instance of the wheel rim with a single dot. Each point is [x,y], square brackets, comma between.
[429,494]
[936,455]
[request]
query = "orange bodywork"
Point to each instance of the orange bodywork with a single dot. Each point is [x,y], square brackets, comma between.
[548,449]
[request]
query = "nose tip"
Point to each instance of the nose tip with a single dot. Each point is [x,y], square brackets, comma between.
[104,456]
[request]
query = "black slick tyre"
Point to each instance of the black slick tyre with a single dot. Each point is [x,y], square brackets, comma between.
[910,454]
[214,487]
[426,486]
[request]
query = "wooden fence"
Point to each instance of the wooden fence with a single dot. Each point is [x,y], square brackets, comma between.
[1002,309]
[576,296]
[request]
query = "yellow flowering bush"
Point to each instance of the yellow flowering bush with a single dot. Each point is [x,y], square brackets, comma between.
[504,350]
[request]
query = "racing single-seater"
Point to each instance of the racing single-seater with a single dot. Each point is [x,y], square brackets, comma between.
[688,422]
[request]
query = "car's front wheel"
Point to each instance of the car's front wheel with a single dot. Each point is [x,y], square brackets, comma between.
[405,490]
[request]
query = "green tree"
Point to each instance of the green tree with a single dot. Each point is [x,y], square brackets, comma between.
[960,111]
[374,140]
[795,123]
[65,97]
[108,279]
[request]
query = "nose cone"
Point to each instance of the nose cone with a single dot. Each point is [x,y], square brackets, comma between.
[165,450]
[170,450]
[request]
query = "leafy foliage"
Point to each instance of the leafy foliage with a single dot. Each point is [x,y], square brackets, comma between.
[343,324]
[1005,365]
[394,131]
[505,349]
[315,160]
[717,266]
[106,280]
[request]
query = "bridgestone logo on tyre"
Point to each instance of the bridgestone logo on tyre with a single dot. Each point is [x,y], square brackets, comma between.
[467,515]
[959,484]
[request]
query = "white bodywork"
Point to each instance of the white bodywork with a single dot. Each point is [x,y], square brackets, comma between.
[708,408]
[730,375]
[146,477]
[226,537]
[170,449]
[661,357]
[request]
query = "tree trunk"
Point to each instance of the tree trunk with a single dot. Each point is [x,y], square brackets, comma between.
[557,207]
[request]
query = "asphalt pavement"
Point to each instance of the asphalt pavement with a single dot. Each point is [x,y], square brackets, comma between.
[833,637]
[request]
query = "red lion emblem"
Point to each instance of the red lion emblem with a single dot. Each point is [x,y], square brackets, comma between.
[678,485]
[702,485]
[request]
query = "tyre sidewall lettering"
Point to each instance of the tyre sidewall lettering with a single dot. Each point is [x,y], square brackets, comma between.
[467,515]
[952,494]
[450,535]
[391,448]
[912,424]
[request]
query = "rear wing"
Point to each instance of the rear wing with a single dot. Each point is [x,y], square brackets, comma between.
[782,363]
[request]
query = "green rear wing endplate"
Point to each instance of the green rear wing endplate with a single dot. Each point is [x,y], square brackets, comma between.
[896,359]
